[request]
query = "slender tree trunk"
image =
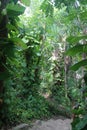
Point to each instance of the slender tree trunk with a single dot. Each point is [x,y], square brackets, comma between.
[68,62]
[66,59]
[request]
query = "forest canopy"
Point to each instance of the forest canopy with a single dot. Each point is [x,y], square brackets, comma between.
[43,61]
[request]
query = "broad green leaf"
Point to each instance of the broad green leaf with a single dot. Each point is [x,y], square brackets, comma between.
[78,65]
[26,2]
[77,49]
[14,10]
[75,39]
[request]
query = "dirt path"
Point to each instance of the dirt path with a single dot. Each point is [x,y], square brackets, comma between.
[59,123]
[52,124]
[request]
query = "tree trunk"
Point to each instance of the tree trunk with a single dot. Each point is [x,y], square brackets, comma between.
[67,61]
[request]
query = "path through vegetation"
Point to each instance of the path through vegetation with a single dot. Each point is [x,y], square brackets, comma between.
[52,124]
[59,123]
[43,63]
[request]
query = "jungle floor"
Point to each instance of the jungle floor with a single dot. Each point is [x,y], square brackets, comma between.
[58,123]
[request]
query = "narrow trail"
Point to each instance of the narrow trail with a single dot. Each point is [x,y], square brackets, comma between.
[52,124]
[59,123]
[55,123]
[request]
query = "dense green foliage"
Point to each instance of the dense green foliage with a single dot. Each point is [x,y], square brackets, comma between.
[78,40]
[41,43]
